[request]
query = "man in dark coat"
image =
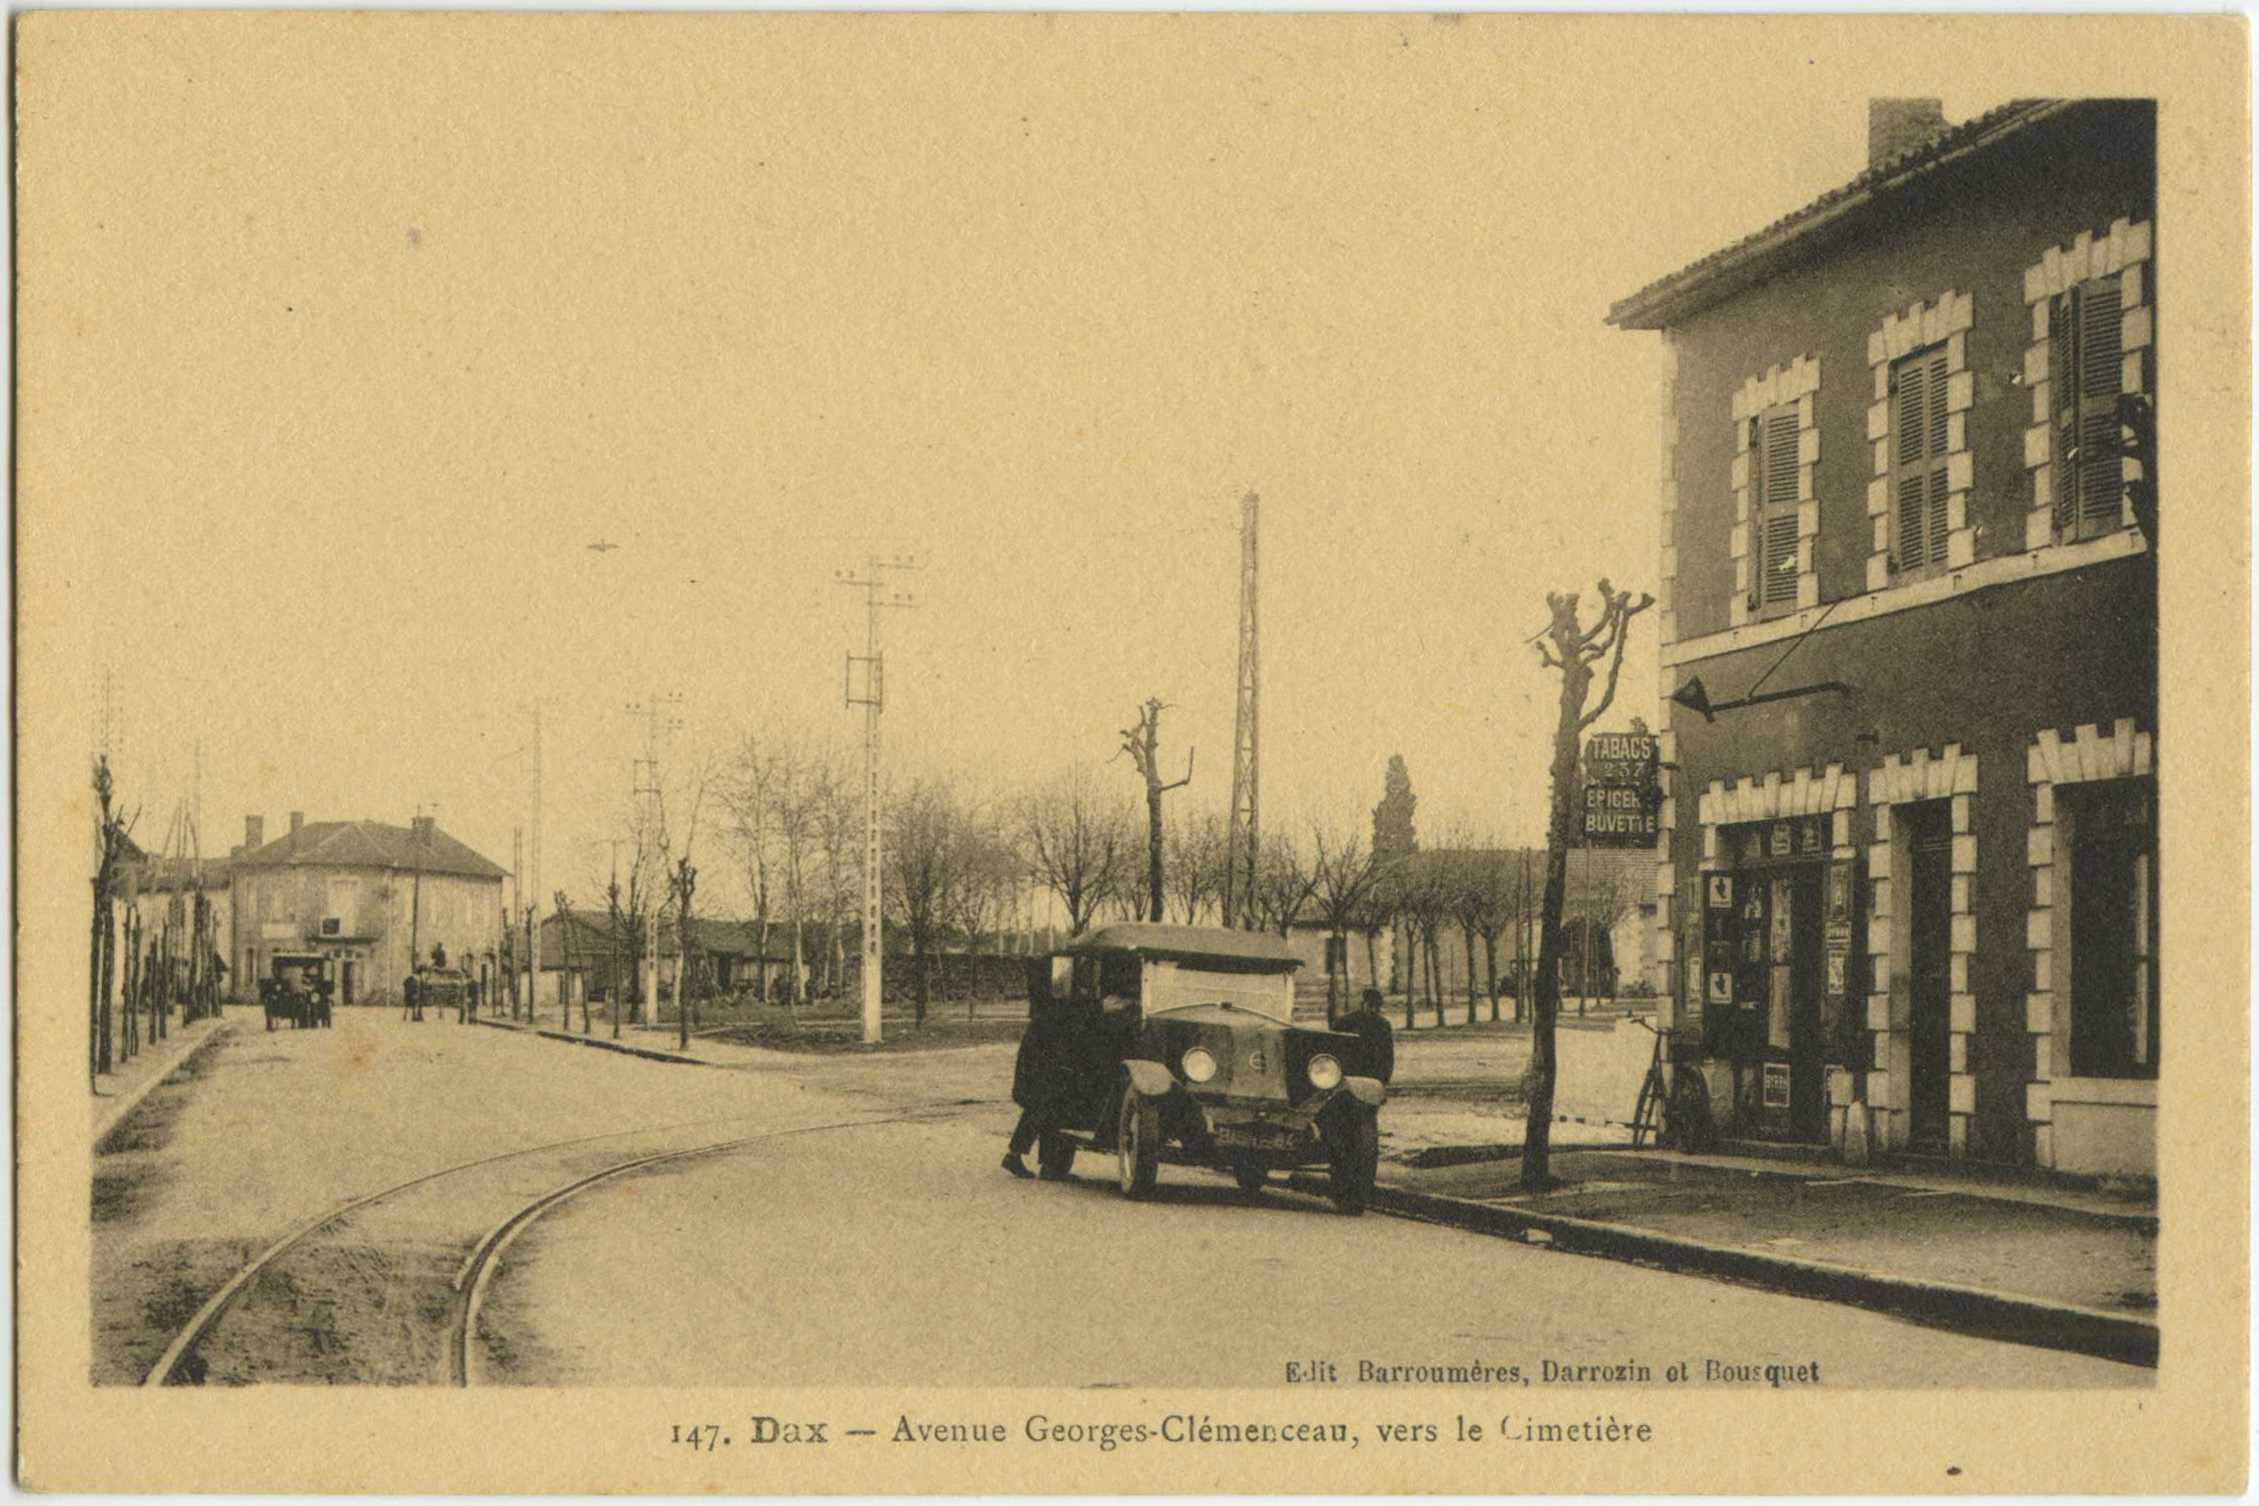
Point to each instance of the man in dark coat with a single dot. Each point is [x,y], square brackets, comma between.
[1047,1075]
[1371,1027]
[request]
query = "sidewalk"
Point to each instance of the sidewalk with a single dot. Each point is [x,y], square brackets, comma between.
[2025,1261]
[118,1093]
[652,1045]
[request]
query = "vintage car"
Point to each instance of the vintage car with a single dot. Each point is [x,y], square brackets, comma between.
[1176,1044]
[297,990]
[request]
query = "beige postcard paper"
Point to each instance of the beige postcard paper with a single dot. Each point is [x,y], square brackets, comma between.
[1131,754]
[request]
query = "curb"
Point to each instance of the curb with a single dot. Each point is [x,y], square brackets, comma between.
[121,1109]
[1942,1304]
[599,1043]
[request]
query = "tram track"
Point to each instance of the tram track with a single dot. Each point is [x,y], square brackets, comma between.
[178,1364]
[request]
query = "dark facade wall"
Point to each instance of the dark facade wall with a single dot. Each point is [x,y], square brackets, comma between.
[1987,670]
[1974,229]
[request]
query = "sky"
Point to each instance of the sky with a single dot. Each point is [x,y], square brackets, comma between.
[370,328]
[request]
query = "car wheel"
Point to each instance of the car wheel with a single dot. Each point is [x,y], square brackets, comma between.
[1138,1143]
[1356,1162]
[1251,1179]
[1054,1156]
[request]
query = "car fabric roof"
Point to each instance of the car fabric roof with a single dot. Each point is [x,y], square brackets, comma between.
[1192,943]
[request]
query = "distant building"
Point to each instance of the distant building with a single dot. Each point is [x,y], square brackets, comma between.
[1905,437]
[369,895]
[729,954]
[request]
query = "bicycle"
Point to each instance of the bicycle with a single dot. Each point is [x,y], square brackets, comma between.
[1675,1111]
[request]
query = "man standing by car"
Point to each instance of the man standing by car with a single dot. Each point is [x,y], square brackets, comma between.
[1046,1074]
[1378,1037]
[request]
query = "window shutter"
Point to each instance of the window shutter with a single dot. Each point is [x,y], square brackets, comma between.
[1777,552]
[1939,482]
[1920,439]
[1913,411]
[2101,372]
[1913,518]
[2063,404]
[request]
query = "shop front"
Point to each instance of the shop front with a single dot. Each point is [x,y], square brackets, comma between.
[1773,952]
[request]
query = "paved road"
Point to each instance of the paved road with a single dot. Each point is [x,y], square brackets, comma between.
[862,1233]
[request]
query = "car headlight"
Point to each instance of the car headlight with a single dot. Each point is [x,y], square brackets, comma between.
[1325,1072]
[1199,1066]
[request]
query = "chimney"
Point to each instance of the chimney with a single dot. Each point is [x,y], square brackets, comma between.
[423,828]
[297,819]
[254,833]
[1893,125]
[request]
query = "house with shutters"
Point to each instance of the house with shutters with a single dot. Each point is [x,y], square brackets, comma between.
[371,897]
[1907,880]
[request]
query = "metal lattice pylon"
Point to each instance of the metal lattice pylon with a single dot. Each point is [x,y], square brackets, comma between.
[1239,868]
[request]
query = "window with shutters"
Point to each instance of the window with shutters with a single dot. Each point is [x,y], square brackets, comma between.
[2086,358]
[1919,474]
[1773,455]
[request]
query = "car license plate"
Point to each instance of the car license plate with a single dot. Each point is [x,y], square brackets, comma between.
[1251,1136]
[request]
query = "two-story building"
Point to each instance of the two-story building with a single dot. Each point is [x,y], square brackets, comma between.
[1908,518]
[372,897]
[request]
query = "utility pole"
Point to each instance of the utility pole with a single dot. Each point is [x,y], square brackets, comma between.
[416,893]
[517,905]
[612,973]
[657,722]
[1239,864]
[873,701]
[534,908]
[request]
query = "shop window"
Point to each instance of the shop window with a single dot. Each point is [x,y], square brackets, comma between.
[2112,877]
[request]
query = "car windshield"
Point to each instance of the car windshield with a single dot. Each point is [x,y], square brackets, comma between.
[1171,985]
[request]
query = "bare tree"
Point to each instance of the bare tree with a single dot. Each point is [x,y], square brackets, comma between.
[930,855]
[111,843]
[1566,645]
[793,816]
[1465,896]
[1498,892]
[747,790]
[987,881]
[1345,873]
[1423,898]
[1284,883]
[1142,743]
[839,841]
[1075,843]
[1196,865]
[682,886]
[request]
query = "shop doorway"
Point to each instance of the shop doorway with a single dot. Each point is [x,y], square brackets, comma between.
[1930,976]
[349,979]
[1781,978]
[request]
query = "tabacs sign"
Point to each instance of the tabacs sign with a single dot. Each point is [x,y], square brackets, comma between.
[1622,801]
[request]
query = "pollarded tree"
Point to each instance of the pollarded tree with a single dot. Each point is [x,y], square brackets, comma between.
[1142,743]
[1569,647]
